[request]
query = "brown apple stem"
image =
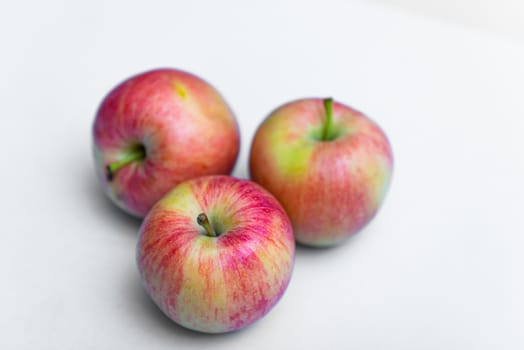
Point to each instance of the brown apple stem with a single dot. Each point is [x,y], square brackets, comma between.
[203,221]
[136,154]
[328,106]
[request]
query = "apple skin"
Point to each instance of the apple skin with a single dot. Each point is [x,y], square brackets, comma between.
[184,125]
[216,284]
[329,189]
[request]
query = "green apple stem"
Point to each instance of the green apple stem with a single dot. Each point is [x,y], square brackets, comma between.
[328,106]
[136,154]
[203,221]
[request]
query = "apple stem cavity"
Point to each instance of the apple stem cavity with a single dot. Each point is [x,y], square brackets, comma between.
[203,221]
[136,154]
[328,106]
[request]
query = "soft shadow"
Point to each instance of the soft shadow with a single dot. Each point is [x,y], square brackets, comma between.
[146,308]
[305,250]
[100,204]
[241,172]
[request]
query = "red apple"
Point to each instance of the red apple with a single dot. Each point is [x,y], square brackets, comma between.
[328,164]
[216,253]
[158,129]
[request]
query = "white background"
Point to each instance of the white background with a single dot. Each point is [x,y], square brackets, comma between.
[503,17]
[440,267]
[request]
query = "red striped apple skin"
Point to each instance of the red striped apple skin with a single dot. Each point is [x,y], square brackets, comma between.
[183,124]
[329,188]
[216,284]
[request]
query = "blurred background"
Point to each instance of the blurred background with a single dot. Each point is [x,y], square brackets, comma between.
[439,268]
[503,17]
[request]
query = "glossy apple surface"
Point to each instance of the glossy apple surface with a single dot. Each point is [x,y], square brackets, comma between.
[217,283]
[330,180]
[158,129]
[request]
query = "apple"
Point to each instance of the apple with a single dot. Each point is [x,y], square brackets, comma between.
[157,129]
[329,165]
[216,253]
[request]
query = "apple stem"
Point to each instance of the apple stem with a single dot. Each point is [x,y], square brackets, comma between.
[203,221]
[328,106]
[137,154]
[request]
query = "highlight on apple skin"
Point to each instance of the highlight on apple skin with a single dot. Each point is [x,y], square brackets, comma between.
[216,253]
[329,165]
[157,129]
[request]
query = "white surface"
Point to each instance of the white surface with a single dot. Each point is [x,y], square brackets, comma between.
[503,17]
[439,268]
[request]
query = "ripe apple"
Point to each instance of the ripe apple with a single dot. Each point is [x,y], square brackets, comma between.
[157,129]
[328,164]
[216,253]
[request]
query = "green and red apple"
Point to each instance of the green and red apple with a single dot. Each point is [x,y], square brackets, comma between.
[216,253]
[157,129]
[328,164]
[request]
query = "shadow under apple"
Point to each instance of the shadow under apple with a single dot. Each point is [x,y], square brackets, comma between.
[153,318]
[102,206]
